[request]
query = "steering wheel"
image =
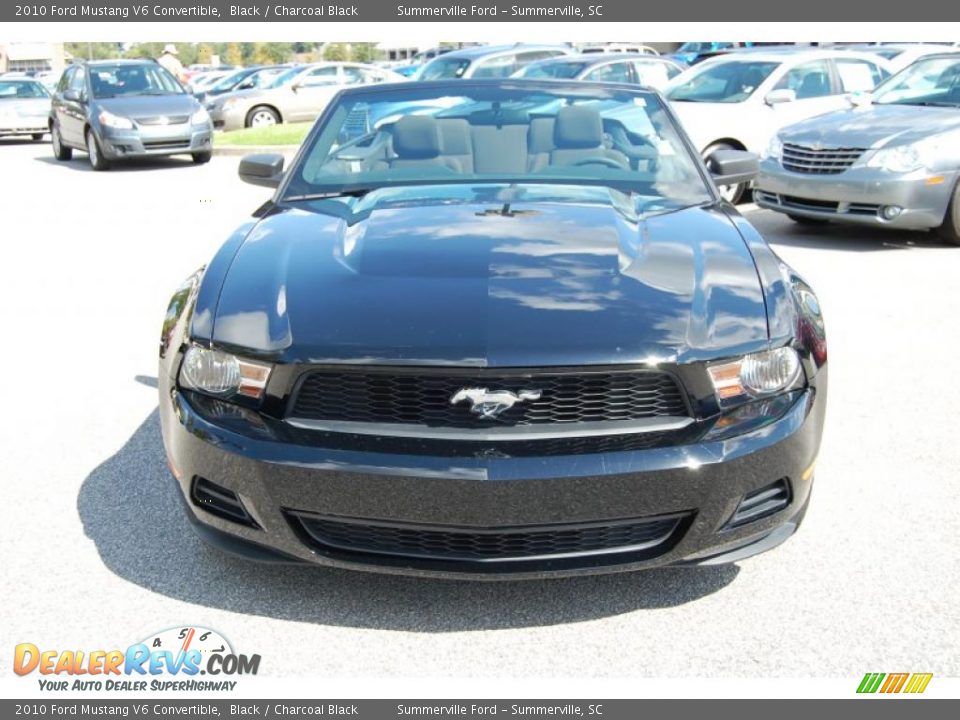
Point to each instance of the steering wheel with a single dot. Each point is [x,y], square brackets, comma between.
[599,160]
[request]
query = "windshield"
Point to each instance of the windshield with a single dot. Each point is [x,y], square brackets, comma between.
[504,133]
[698,47]
[228,81]
[934,81]
[109,81]
[555,70]
[21,90]
[444,68]
[283,78]
[723,82]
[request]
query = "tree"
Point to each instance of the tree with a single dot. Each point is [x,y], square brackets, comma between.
[335,51]
[94,50]
[232,55]
[363,52]
[204,54]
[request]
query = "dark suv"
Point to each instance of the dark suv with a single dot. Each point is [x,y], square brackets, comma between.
[118,109]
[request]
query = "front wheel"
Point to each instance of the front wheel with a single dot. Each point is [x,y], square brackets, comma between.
[949,231]
[97,160]
[731,193]
[60,151]
[262,116]
[199,158]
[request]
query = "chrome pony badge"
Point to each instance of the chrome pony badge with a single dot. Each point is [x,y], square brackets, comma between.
[488,404]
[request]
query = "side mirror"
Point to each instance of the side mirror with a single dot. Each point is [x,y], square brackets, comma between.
[296,86]
[783,95]
[265,170]
[71,95]
[732,167]
[860,99]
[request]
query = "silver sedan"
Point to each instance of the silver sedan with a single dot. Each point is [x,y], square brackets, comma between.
[891,160]
[24,108]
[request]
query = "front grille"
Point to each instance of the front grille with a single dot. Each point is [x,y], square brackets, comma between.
[818,161]
[163,120]
[423,398]
[460,544]
[165,144]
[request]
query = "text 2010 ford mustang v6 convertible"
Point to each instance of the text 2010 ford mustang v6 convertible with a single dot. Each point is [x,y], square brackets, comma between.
[495,328]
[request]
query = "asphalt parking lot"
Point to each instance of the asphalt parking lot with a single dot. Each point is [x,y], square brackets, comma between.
[97,552]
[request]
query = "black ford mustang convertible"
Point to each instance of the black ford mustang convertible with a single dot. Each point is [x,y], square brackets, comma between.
[495,329]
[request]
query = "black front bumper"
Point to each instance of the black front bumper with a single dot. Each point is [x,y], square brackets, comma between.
[492,516]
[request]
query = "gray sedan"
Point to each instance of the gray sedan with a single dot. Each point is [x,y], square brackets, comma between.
[24,108]
[893,161]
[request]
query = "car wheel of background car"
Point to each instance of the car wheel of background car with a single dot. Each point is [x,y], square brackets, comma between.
[262,116]
[37,137]
[60,151]
[800,220]
[731,193]
[201,157]
[949,231]
[97,161]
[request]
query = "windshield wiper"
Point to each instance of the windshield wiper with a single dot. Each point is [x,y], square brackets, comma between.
[352,192]
[924,103]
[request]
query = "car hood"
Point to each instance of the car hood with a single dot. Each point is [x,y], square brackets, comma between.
[479,281]
[26,106]
[873,126]
[138,106]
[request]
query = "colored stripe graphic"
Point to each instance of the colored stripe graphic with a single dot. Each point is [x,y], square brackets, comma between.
[894,683]
[918,682]
[870,682]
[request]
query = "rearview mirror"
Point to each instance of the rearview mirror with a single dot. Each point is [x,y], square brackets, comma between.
[71,95]
[265,169]
[732,167]
[783,95]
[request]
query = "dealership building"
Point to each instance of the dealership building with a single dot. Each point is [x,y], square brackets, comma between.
[32,57]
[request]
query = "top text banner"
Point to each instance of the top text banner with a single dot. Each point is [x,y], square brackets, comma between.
[481,11]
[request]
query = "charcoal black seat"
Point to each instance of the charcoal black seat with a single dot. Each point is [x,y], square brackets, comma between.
[417,142]
[578,137]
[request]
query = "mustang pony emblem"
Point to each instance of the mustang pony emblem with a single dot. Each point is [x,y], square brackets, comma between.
[488,404]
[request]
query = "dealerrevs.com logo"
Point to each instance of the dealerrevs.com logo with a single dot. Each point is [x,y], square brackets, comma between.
[173,659]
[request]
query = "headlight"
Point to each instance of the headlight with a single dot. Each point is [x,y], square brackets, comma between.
[200,117]
[774,149]
[229,103]
[756,375]
[115,121]
[906,158]
[218,373]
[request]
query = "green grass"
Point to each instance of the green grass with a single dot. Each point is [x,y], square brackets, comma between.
[292,134]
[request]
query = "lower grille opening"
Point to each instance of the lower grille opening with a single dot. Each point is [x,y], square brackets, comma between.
[218,500]
[494,549]
[761,503]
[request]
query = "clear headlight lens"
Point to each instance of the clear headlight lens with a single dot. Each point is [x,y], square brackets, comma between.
[229,103]
[756,375]
[774,149]
[904,158]
[219,373]
[200,117]
[115,121]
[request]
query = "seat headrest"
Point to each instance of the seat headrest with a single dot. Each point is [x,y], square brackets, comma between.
[416,137]
[578,127]
[456,137]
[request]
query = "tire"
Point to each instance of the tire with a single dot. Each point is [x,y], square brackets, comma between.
[37,137]
[800,220]
[199,158]
[97,161]
[949,231]
[262,116]
[60,151]
[731,193]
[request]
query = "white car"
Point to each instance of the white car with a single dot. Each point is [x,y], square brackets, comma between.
[899,55]
[488,61]
[739,101]
[604,48]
